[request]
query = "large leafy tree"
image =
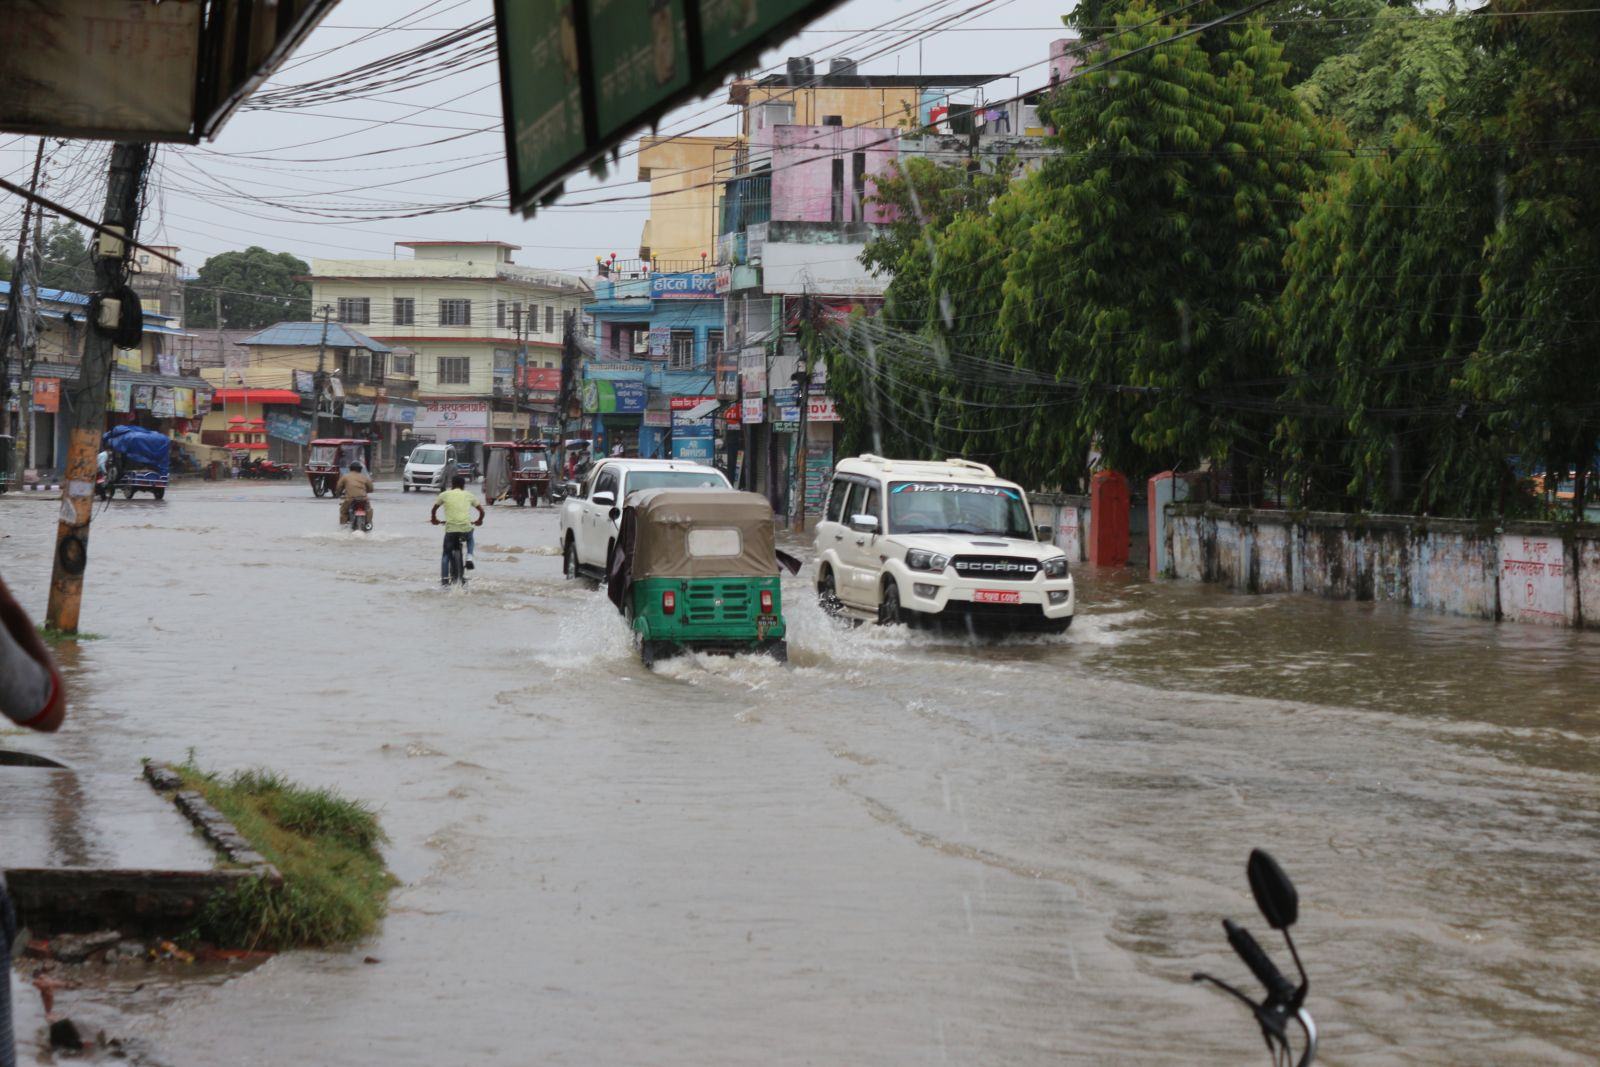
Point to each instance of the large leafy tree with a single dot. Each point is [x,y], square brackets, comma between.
[64,260]
[1407,66]
[255,288]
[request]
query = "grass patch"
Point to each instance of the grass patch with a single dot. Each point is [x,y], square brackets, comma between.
[335,887]
[51,636]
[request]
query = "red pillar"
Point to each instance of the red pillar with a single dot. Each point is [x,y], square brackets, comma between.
[1108,519]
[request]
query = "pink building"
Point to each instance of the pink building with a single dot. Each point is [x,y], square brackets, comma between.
[1064,58]
[825,173]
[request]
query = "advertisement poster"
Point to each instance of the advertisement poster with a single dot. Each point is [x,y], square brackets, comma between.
[619,398]
[47,394]
[121,396]
[202,402]
[183,403]
[286,426]
[168,363]
[305,383]
[143,397]
[130,359]
[660,341]
[162,404]
[819,469]
[360,412]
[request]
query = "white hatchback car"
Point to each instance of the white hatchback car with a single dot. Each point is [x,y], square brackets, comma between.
[429,467]
[910,541]
[588,524]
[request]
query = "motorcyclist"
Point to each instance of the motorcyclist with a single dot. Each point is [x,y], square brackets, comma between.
[353,485]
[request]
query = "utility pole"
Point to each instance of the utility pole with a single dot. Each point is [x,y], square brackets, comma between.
[8,330]
[322,377]
[569,351]
[123,191]
[519,389]
[802,381]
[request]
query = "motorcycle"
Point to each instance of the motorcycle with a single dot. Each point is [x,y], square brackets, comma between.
[1280,906]
[266,469]
[360,516]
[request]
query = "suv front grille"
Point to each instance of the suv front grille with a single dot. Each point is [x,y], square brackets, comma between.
[700,602]
[996,568]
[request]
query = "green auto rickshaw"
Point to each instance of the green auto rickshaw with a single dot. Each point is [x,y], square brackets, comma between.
[697,569]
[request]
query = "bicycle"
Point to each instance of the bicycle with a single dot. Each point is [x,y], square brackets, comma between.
[455,551]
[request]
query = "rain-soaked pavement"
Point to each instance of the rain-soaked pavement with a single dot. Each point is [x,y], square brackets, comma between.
[898,849]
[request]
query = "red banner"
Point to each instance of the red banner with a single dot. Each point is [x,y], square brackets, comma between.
[47,394]
[542,379]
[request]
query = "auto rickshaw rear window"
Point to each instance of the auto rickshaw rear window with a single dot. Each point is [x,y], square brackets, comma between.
[715,542]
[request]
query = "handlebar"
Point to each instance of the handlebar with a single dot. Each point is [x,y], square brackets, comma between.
[1279,990]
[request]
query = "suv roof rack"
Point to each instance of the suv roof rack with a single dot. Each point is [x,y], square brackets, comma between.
[926,464]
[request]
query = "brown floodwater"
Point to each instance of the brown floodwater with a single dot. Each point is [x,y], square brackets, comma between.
[900,848]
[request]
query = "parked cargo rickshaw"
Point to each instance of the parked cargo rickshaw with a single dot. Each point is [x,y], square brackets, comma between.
[331,457]
[137,460]
[526,476]
[697,569]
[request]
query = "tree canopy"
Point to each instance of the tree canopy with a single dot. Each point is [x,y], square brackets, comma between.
[255,289]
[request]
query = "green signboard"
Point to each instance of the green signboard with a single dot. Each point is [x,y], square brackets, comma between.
[577,77]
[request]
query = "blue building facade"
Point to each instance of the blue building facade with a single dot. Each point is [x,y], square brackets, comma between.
[657,340]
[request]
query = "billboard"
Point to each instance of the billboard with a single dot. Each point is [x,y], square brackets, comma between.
[287,426]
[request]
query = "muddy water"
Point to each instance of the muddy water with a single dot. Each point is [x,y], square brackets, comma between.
[898,849]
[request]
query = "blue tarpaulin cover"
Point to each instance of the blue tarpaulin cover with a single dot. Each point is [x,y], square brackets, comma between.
[138,445]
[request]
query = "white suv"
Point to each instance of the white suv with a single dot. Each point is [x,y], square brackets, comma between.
[909,541]
[590,512]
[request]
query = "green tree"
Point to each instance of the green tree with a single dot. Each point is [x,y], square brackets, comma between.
[65,262]
[256,288]
[1376,325]
[1407,67]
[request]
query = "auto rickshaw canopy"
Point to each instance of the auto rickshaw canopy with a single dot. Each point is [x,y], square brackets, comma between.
[698,533]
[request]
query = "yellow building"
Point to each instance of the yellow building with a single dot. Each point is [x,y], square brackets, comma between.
[685,198]
[456,306]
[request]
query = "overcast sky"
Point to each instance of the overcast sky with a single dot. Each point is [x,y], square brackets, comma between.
[202,195]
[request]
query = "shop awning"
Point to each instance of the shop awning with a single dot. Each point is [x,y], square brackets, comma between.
[235,395]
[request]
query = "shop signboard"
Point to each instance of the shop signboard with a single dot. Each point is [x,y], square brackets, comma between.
[403,414]
[692,429]
[821,409]
[660,341]
[692,449]
[682,287]
[753,410]
[288,426]
[162,405]
[601,397]
[542,379]
[47,394]
[448,419]
[305,383]
[789,413]
[819,470]
[360,412]
[656,418]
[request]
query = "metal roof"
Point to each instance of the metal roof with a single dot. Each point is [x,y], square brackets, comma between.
[309,335]
[68,372]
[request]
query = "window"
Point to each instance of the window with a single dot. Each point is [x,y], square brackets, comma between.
[356,309]
[405,312]
[455,370]
[680,350]
[641,480]
[549,318]
[950,507]
[871,506]
[607,482]
[500,314]
[713,347]
[841,489]
[516,318]
[455,313]
[858,186]
[403,363]
[355,364]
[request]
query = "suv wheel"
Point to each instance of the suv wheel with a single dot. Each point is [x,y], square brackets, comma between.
[828,593]
[569,559]
[889,613]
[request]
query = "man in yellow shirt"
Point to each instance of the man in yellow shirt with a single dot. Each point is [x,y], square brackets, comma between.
[354,485]
[458,522]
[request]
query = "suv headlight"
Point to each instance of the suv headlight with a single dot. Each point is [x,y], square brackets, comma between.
[1055,568]
[920,559]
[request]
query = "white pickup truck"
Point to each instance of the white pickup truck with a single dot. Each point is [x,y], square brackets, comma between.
[588,523]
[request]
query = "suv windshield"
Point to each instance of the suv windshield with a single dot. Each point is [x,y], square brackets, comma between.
[640,480]
[428,455]
[950,507]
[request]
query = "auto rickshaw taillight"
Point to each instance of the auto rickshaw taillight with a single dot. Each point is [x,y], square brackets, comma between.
[669,602]
[766,602]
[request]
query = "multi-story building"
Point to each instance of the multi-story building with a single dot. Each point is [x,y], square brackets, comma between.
[485,332]
[157,282]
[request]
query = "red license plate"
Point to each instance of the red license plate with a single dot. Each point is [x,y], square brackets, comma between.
[996,596]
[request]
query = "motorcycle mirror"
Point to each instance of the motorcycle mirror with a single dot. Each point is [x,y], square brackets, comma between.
[1275,894]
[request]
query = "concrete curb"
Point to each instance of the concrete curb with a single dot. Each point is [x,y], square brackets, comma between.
[212,824]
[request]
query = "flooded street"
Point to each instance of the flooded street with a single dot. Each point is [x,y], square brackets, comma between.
[900,848]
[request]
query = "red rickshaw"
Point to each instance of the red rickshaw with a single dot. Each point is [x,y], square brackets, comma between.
[527,470]
[331,456]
